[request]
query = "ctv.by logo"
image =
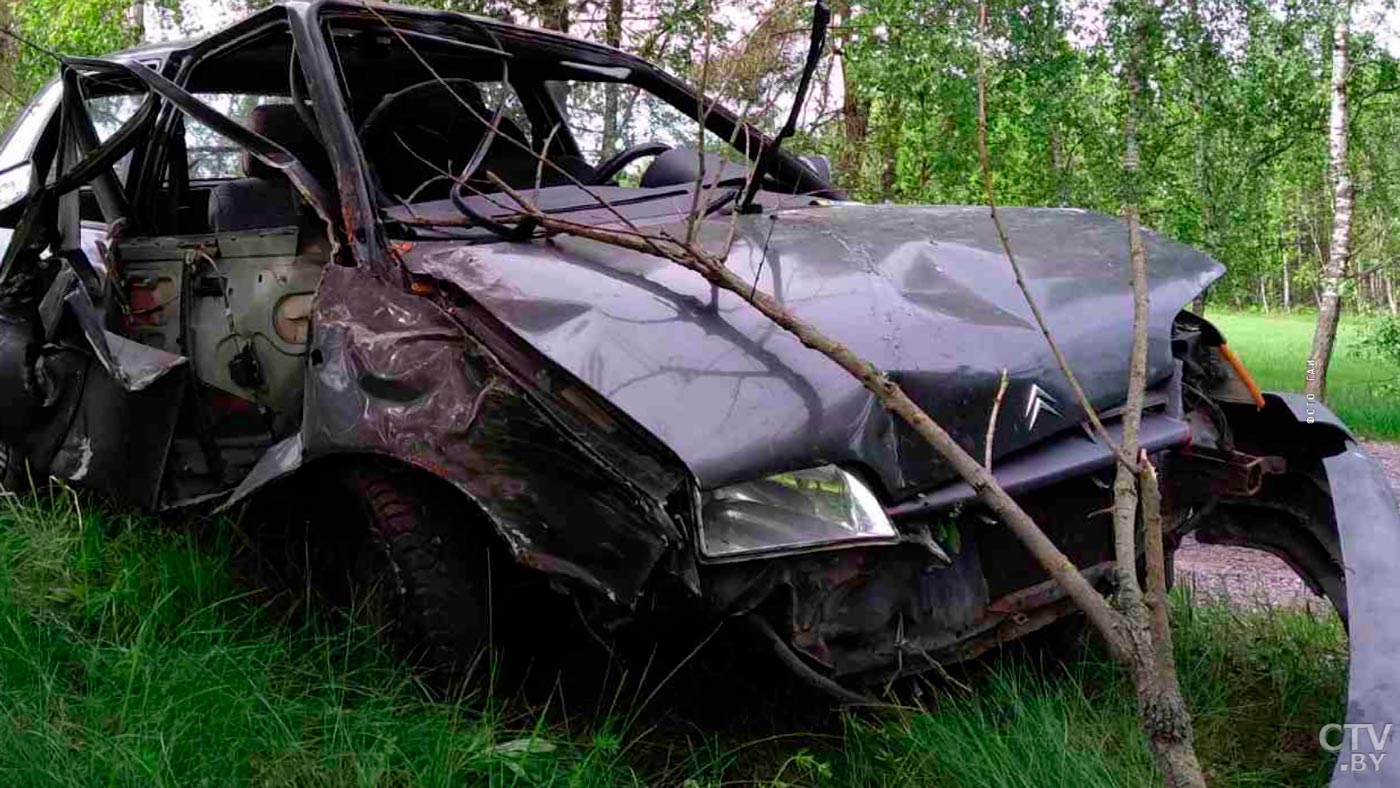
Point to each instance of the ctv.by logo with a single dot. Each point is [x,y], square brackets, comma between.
[1359,761]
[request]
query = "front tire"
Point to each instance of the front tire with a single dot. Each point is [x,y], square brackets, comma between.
[416,562]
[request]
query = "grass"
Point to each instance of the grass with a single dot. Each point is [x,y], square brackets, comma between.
[130,655]
[1360,387]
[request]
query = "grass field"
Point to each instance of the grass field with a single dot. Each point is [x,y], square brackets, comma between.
[131,656]
[1276,347]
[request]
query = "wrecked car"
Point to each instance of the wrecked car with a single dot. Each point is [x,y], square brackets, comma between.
[271,263]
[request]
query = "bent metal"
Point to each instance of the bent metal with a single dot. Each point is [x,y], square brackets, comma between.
[271,269]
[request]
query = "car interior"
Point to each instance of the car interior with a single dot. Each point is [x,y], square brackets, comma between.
[424,106]
[220,254]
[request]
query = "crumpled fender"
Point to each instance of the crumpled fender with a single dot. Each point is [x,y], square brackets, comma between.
[1368,524]
[400,374]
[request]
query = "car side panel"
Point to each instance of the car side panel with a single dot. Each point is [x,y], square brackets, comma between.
[396,373]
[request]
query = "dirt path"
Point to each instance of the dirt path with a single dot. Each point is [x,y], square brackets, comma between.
[1253,577]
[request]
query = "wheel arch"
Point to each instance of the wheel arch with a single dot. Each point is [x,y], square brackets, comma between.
[286,464]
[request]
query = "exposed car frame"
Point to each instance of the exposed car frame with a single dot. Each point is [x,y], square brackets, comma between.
[490,376]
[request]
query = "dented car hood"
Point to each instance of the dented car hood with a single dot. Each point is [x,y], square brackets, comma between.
[925,293]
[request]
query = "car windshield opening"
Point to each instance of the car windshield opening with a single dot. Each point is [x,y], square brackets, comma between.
[436,117]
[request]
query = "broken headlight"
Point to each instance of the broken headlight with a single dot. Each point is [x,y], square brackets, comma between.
[792,512]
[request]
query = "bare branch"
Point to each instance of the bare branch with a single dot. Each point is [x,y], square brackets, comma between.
[983,154]
[1155,556]
[992,421]
[692,228]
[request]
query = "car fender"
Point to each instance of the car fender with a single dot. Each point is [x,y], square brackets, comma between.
[1354,538]
[399,374]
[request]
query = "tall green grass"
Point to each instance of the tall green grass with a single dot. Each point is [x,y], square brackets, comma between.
[1275,348]
[1259,685]
[130,656]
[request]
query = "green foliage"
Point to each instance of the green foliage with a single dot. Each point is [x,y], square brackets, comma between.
[1232,135]
[69,27]
[1380,337]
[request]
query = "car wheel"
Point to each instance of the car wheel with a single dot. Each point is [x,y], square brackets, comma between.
[418,568]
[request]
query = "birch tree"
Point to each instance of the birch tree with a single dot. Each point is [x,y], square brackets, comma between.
[1330,306]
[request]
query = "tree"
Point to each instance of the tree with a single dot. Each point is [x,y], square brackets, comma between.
[74,27]
[1141,624]
[855,113]
[612,36]
[1330,308]
[8,95]
[1162,711]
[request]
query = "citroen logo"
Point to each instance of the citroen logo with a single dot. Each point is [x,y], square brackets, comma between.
[1038,401]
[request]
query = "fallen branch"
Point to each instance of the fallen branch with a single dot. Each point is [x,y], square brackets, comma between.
[1127,634]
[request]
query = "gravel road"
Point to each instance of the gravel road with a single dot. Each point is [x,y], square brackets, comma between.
[1250,577]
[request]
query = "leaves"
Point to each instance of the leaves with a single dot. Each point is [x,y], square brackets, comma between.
[1233,136]
[70,27]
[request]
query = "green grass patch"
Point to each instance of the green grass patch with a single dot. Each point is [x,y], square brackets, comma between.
[1275,348]
[129,656]
[1259,685]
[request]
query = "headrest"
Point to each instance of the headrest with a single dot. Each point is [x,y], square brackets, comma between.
[281,124]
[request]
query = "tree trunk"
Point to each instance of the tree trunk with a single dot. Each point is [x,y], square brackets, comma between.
[612,36]
[1161,710]
[553,14]
[1200,159]
[1330,308]
[1390,296]
[855,113]
[1199,154]
[890,149]
[1060,164]
[8,54]
[1264,293]
[1287,293]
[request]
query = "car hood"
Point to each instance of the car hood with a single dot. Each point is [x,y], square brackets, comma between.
[924,293]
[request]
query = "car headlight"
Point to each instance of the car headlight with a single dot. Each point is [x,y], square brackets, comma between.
[792,512]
